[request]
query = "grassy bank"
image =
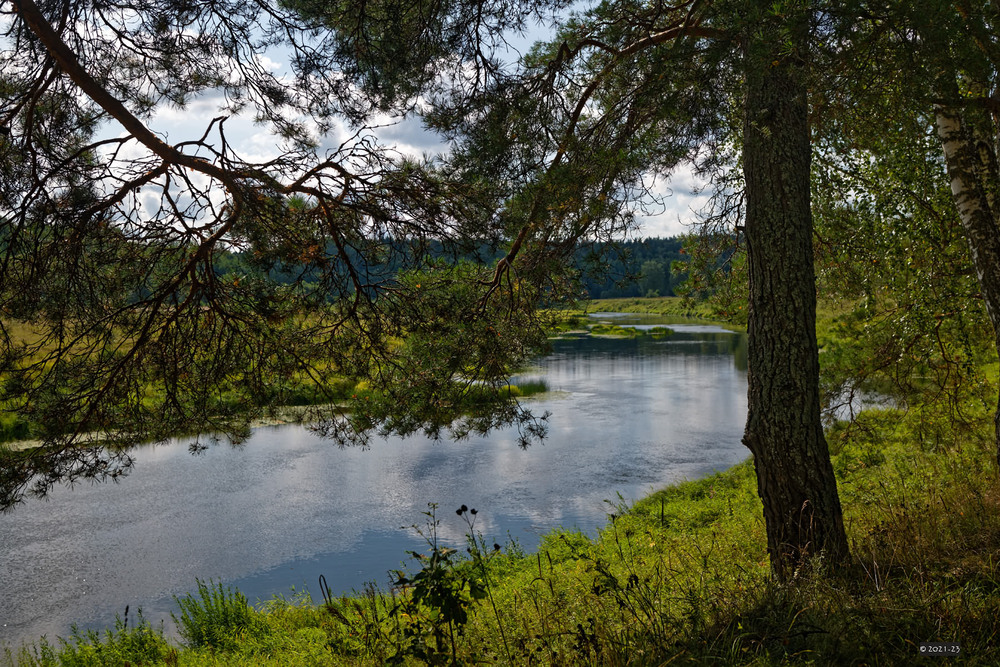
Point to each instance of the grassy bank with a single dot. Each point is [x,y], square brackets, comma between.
[669,305]
[17,434]
[300,391]
[578,320]
[680,577]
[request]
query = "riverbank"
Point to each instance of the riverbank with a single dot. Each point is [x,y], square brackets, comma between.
[680,576]
[673,306]
[570,321]
[17,434]
[280,415]
[669,305]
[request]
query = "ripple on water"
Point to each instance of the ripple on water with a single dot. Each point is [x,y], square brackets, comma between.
[286,506]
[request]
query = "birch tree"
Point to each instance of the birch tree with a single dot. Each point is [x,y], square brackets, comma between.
[901,74]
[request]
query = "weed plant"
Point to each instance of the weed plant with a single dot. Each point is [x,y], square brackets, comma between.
[139,645]
[217,617]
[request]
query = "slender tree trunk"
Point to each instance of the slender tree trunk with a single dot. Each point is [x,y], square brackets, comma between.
[975,186]
[784,431]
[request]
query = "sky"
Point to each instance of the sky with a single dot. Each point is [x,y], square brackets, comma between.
[679,200]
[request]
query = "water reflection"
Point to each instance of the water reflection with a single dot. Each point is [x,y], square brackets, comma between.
[628,416]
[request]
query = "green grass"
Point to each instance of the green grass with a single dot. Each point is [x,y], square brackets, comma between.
[525,388]
[613,331]
[301,391]
[680,577]
[576,321]
[667,305]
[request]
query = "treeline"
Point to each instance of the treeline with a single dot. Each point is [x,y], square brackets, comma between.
[633,268]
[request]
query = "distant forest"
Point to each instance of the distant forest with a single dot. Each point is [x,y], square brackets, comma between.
[637,268]
[625,269]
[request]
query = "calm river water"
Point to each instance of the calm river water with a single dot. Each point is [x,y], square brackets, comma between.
[628,417]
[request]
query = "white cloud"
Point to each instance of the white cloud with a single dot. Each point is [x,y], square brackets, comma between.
[270,64]
[679,200]
[408,136]
[189,122]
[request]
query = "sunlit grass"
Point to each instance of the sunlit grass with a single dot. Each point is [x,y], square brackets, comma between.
[682,575]
[666,305]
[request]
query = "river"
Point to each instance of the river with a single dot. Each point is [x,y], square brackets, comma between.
[628,416]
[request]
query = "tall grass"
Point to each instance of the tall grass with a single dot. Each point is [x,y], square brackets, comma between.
[140,644]
[667,305]
[217,617]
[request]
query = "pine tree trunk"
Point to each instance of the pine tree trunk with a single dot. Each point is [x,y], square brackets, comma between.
[784,431]
[972,178]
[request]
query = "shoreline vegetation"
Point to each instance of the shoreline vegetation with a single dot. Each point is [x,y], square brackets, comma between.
[16,434]
[281,415]
[679,577]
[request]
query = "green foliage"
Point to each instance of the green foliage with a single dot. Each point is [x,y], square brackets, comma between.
[601,329]
[217,617]
[164,337]
[679,576]
[255,284]
[622,269]
[913,355]
[434,602]
[653,281]
[891,249]
[453,353]
[14,427]
[633,268]
[122,645]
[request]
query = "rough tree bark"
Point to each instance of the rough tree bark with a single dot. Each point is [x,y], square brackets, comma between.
[795,477]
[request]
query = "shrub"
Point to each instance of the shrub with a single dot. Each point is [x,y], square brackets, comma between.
[218,617]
